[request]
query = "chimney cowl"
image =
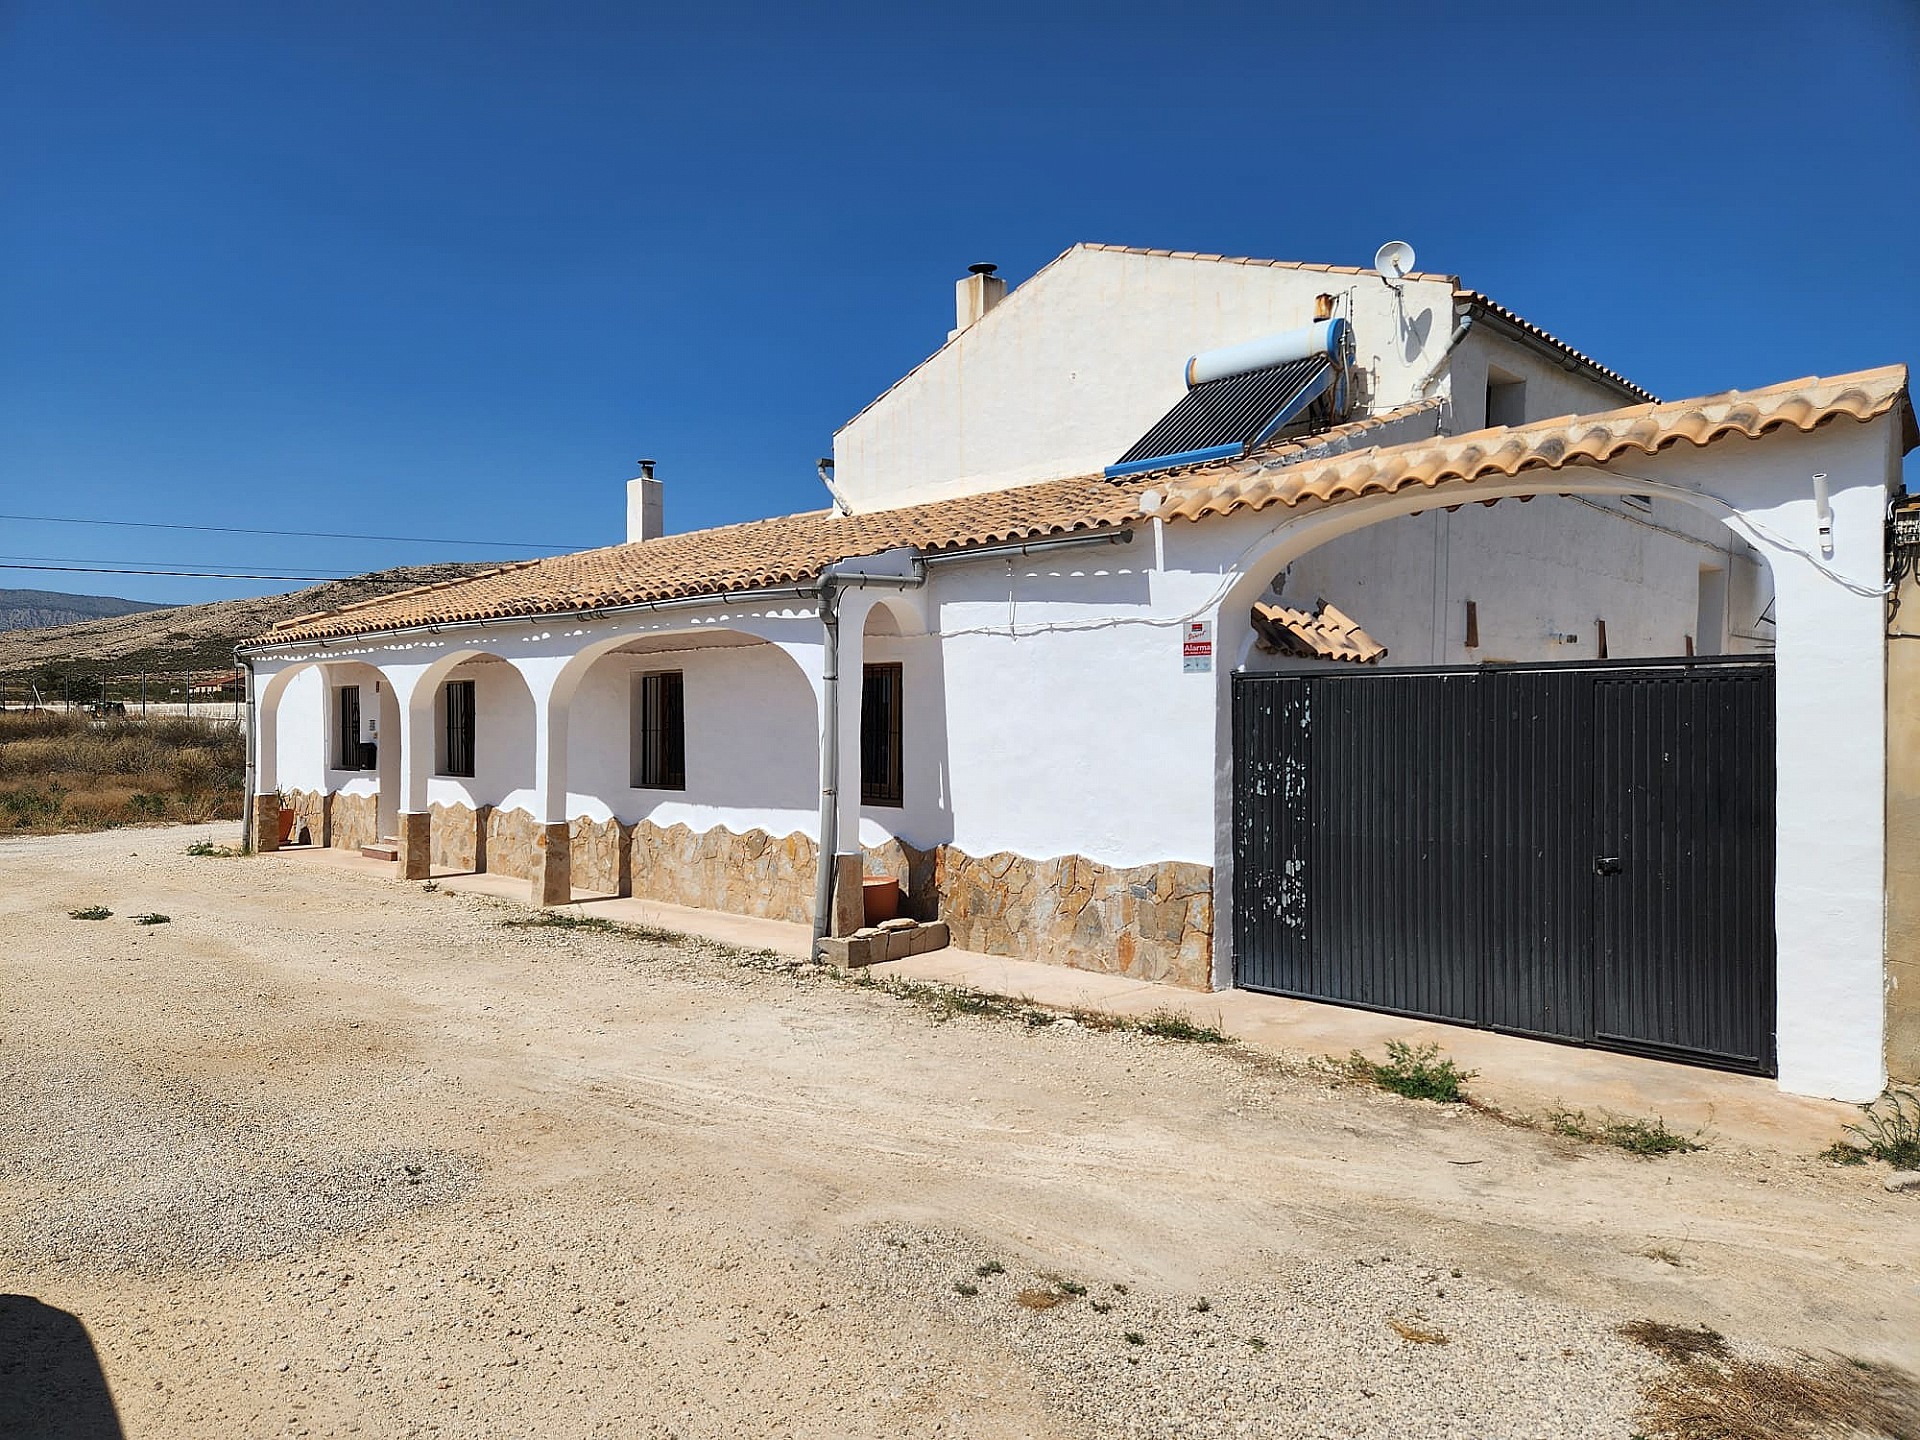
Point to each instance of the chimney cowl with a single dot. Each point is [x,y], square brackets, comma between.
[646,508]
[975,294]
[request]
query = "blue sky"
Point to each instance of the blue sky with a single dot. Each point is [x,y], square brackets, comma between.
[444,271]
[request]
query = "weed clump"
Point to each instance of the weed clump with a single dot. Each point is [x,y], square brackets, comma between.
[1172,1025]
[1676,1342]
[90,912]
[153,917]
[1647,1138]
[561,920]
[1417,1072]
[207,847]
[1889,1130]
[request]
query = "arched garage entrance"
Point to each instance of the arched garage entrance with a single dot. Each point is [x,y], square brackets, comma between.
[1813,973]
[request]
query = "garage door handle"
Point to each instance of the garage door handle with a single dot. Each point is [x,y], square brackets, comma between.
[1607,865]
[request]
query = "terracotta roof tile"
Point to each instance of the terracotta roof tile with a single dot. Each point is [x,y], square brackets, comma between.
[787,550]
[1255,484]
[1326,633]
[795,548]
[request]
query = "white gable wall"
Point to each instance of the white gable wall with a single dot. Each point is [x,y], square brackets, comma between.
[1074,366]
[1553,390]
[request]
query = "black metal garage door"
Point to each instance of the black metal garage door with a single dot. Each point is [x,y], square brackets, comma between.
[1582,852]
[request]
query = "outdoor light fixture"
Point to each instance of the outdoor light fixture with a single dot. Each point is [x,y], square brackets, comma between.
[1823,507]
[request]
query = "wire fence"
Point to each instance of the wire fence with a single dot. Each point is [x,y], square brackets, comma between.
[216,696]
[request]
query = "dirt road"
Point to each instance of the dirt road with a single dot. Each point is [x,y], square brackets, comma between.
[334,1155]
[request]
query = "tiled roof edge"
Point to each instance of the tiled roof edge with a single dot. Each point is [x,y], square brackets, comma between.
[1598,439]
[1479,300]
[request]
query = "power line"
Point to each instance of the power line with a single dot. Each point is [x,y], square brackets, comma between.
[188,574]
[291,534]
[22,562]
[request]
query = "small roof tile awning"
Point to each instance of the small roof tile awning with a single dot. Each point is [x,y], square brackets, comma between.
[1323,633]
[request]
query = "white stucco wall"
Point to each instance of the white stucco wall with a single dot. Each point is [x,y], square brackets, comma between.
[1075,365]
[751,736]
[502,739]
[1552,389]
[1535,570]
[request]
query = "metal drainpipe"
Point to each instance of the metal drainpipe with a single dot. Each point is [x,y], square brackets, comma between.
[831,584]
[1453,342]
[253,744]
[829,762]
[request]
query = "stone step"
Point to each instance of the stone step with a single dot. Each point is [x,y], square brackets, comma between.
[384,850]
[893,940]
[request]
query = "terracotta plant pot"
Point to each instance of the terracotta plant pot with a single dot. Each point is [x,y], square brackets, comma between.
[287,817]
[882,896]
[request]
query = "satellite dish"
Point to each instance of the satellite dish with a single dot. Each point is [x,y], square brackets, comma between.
[1394,260]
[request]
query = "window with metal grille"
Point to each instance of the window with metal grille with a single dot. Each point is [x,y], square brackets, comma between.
[661,761]
[347,749]
[882,776]
[457,739]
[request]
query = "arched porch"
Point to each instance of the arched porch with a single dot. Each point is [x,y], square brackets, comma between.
[1828,617]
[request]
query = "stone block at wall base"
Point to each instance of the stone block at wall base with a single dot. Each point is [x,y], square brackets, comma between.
[552,864]
[354,821]
[416,845]
[266,824]
[459,837]
[849,894]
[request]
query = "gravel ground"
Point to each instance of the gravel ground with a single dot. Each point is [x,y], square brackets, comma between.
[334,1155]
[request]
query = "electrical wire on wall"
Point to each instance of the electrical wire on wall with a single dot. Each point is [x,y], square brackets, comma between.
[1903,559]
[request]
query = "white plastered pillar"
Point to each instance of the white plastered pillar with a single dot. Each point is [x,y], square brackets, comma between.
[414,689]
[1830,709]
[552,683]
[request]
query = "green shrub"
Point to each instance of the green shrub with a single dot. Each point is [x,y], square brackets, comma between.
[1889,1130]
[1172,1025]
[91,912]
[1636,1137]
[1416,1072]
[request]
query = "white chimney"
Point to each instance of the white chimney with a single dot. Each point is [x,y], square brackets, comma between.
[645,511]
[974,296]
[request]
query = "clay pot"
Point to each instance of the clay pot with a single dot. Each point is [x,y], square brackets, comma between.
[287,817]
[881,894]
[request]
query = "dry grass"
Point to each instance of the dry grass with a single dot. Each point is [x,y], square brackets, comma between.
[1731,1399]
[1676,1342]
[1418,1334]
[65,772]
[1040,1299]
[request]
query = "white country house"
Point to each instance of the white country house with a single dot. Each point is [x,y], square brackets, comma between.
[1315,629]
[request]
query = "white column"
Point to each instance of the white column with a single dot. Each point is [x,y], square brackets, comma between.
[413,695]
[552,700]
[1830,695]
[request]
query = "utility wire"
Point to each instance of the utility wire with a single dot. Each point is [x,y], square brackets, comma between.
[21,562]
[292,534]
[188,574]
